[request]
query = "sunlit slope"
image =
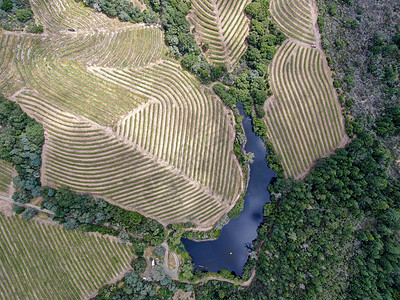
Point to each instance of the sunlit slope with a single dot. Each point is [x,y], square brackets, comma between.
[61,15]
[38,260]
[57,69]
[294,18]
[304,117]
[183,126]
[124,122]
[10,81]
[170,159]
[6,174]
[223,25]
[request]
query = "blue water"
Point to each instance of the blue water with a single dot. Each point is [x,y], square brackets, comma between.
[229,251]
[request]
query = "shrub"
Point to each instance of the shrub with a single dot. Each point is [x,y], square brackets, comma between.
[24,15]
[159,251]
[321,23]
[350,23]
[18,209]
[139,264]
[29,213]
[123,237]
[340,44]
[139,248]
[7,5]
[70,224]
[332,9]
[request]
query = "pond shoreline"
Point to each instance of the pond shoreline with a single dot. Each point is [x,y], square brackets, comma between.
[230,250]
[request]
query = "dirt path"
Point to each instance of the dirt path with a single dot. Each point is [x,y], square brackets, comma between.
[171,273]
[241,283]
[314,20]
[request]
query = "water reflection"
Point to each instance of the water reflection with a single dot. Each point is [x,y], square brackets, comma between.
[229,251]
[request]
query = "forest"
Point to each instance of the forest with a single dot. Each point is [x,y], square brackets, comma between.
[21,144]
[335,235]
[124,10]
[338,231]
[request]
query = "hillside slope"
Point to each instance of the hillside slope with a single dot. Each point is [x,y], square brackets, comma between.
[223,26]
[123,121]
[40,260]
[303,117]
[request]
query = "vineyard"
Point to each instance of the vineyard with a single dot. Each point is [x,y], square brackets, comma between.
[223,25]
[10,81]
[155,162]
[6,174]
[64,70]
[122,120]
[304,121]
[61,15]
[295,19]
[38,260]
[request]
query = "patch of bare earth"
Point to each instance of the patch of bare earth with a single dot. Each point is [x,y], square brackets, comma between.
[182,295]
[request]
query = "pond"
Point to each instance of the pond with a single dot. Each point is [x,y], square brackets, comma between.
[229,251]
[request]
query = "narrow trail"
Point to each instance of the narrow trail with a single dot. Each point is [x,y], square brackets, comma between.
[171,273]
[80,31]
[241,283]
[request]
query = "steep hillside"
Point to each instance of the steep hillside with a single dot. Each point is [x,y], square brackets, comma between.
[304,117]
[39,260]
[220,27]
[123,121]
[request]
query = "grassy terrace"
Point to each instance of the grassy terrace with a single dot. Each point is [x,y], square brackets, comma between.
[223,25]
[57,69]
[38,259]
[147,175]
[164,130]
[304,119]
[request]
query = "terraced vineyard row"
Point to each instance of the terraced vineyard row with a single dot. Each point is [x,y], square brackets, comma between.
[224,26]
[6,174]
[61,15]
[10,81]
[38,260]
[294,18]
[88,159]
[132,47]
[167,127]
[57,69]
[125,123]
[304,120]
